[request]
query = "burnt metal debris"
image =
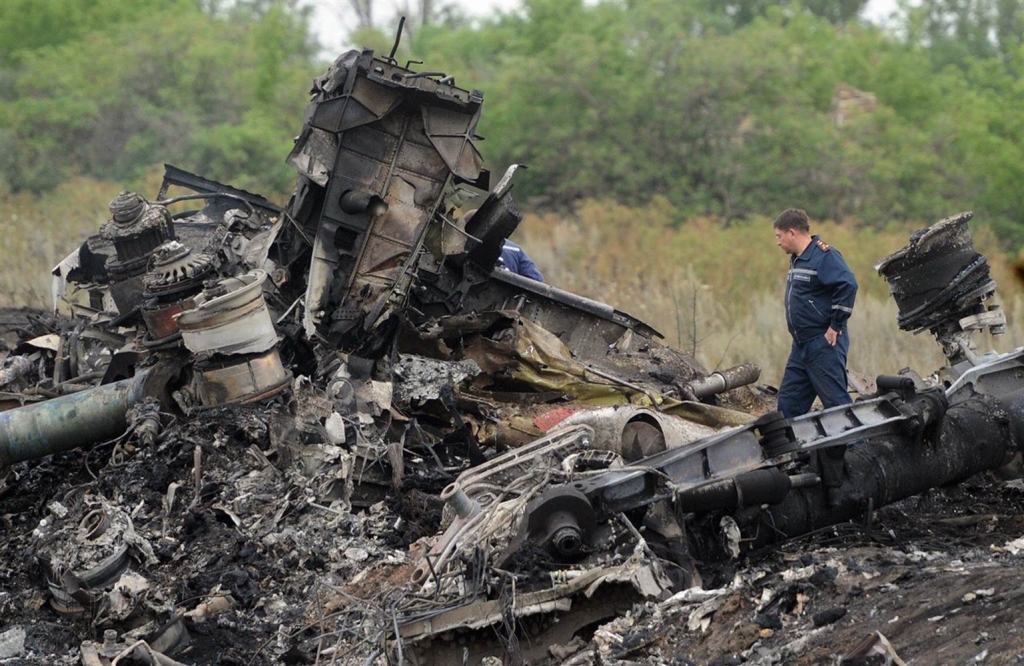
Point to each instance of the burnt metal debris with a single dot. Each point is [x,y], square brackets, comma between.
[940,283]
[549,462]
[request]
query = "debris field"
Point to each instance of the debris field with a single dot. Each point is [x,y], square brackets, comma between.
[336,433]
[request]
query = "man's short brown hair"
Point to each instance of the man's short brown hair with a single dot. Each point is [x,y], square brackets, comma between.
[794,218]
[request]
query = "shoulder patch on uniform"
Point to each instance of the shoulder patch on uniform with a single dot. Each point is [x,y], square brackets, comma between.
[823,246]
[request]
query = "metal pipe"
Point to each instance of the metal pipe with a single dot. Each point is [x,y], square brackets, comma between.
[726,380]
[463,505]
[973,437]
[761,486]
[65,423]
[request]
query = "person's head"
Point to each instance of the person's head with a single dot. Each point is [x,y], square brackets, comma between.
[792,231]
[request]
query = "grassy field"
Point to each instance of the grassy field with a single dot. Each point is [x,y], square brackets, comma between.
[711,289]
[717,290]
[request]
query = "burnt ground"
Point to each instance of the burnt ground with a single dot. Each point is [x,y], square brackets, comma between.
[219,511]
[931,575]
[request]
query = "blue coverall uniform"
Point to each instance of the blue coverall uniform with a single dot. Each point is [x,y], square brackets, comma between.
[514,258]
[820,290]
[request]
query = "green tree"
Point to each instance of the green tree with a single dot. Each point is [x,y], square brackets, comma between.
[166,85]
[26,25]
[737,115]
[835,11]
[955,30]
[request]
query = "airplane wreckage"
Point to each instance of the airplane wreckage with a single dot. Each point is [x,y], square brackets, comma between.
[249,386]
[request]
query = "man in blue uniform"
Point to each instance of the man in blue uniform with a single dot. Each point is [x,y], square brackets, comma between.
[820,291]
[514,258]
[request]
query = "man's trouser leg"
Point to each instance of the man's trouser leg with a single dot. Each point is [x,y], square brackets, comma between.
[822,368]
[796,393]
[826,369]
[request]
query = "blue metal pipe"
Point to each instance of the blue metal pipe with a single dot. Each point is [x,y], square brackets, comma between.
[61,424]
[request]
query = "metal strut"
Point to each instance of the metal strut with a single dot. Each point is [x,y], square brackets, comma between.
[768,442]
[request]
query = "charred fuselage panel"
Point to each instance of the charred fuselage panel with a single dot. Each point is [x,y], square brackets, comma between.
[380,146]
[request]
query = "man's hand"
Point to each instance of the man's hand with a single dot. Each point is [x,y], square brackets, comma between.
[832,335]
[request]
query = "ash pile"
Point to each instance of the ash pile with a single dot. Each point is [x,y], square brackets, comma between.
[335,433]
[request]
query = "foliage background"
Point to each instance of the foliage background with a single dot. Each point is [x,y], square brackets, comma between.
[662,137]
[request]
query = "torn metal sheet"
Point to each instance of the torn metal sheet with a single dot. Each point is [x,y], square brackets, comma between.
[51,342]
[536,357]
[529,355]
[562,609]
[587,327]
[83,271]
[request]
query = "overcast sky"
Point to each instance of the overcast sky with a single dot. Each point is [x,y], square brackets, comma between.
[333,18]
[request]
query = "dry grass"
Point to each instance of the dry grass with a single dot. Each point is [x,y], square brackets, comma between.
[711,289]
[717,291]
[39,231]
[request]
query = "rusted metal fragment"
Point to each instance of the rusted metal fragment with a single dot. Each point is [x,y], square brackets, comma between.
[240,378]
[175,278]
